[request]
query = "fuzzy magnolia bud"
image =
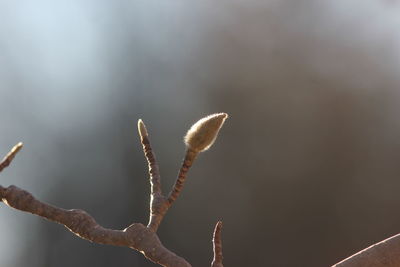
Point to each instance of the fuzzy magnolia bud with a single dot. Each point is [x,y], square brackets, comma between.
[203,133]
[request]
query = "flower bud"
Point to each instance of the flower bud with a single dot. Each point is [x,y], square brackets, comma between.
[203,133]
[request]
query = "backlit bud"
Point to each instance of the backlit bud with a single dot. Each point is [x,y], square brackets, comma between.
[203,133]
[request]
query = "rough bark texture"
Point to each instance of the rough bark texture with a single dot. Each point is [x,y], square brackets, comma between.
[136,236]
[190,156]
[144,238]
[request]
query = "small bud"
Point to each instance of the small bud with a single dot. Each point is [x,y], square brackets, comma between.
[203,133]
[16,148]
[142,128]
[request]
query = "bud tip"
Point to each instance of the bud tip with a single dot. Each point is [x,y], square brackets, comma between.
[142,128]
[17,147]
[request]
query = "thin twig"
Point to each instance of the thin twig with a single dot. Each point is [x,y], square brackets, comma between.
[154,171]
[199,138]
[190,156]
[217,246]
[10,156]
[158,204]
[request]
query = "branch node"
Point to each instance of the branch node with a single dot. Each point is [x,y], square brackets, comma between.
[137,236]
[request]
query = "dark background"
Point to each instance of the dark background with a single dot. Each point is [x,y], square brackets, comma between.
[305,171]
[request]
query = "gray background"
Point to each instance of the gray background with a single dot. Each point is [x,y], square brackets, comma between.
[306,169]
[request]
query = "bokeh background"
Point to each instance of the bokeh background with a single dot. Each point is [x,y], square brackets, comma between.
[305,171]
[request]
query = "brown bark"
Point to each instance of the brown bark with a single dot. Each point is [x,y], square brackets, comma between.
[136,236]
[144,238]
[217,246]
[382,254]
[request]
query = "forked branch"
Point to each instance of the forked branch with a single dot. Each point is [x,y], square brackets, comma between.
[136,236]
[144,238]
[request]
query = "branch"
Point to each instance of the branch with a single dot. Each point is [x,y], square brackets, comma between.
[190,156]
[217,246]
[200,137]
[136,236]
[382,254]
[158,204]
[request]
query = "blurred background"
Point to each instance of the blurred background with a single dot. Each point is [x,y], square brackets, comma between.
[305,171]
